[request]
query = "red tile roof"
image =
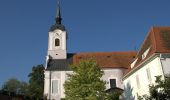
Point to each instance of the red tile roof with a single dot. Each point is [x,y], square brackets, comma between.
[158,40]
[107,59]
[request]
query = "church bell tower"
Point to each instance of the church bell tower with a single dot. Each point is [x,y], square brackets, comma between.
[57,39]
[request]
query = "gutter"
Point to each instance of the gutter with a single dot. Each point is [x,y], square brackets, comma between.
[50,86]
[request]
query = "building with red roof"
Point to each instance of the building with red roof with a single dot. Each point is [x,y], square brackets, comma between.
[153,59]
[131,71]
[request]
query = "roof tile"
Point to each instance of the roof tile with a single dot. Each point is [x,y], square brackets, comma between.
[107,59]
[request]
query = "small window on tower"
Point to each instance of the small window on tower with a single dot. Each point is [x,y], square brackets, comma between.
[57,42]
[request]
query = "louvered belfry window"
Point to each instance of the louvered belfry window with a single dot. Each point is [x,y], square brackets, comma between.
[57,42]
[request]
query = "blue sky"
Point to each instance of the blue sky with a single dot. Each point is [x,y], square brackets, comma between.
[92,25]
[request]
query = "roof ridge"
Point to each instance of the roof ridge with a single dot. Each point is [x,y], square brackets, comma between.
[154,40]
[143,43]
[156,27]
[105,52]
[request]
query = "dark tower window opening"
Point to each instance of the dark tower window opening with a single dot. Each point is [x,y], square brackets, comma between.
[57,42]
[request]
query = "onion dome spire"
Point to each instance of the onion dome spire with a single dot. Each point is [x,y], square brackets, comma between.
[58,17]
[58,24]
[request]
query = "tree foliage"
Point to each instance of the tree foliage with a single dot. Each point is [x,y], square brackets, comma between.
[24,88]
[159,91]
[114,95]
[162,88]
[36,82]
[85,83]
[33,89]
[15,86]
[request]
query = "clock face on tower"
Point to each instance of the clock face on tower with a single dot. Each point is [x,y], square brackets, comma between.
[57,34]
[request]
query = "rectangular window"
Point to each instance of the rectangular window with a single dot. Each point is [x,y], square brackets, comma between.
[54,86]
[137,81]
[112,83]
[148,75]
[128,82]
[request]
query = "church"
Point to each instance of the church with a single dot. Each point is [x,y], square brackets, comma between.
[130,71]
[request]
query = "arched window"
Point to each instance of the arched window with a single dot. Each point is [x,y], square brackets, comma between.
[57,42]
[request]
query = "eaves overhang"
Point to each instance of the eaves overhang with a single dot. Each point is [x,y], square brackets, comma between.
[146,61]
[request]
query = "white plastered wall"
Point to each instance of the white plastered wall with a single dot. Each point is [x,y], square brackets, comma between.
[49,77]
[165,61]
[155,70]
[62,76]
[57,52]
[116,73]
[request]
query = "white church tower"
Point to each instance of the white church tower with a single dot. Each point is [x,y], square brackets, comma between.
[57,39]
[56,56]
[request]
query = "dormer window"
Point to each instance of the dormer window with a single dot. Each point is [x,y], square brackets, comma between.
[134,62]
[145,53]
[57,42]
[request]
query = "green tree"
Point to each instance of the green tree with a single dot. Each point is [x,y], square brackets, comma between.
[15,86]
[36,82]
[85,83]
[159,91]
[114,95]
[12,85]
[23,88]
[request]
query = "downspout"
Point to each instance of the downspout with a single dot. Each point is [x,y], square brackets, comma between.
[50,86]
